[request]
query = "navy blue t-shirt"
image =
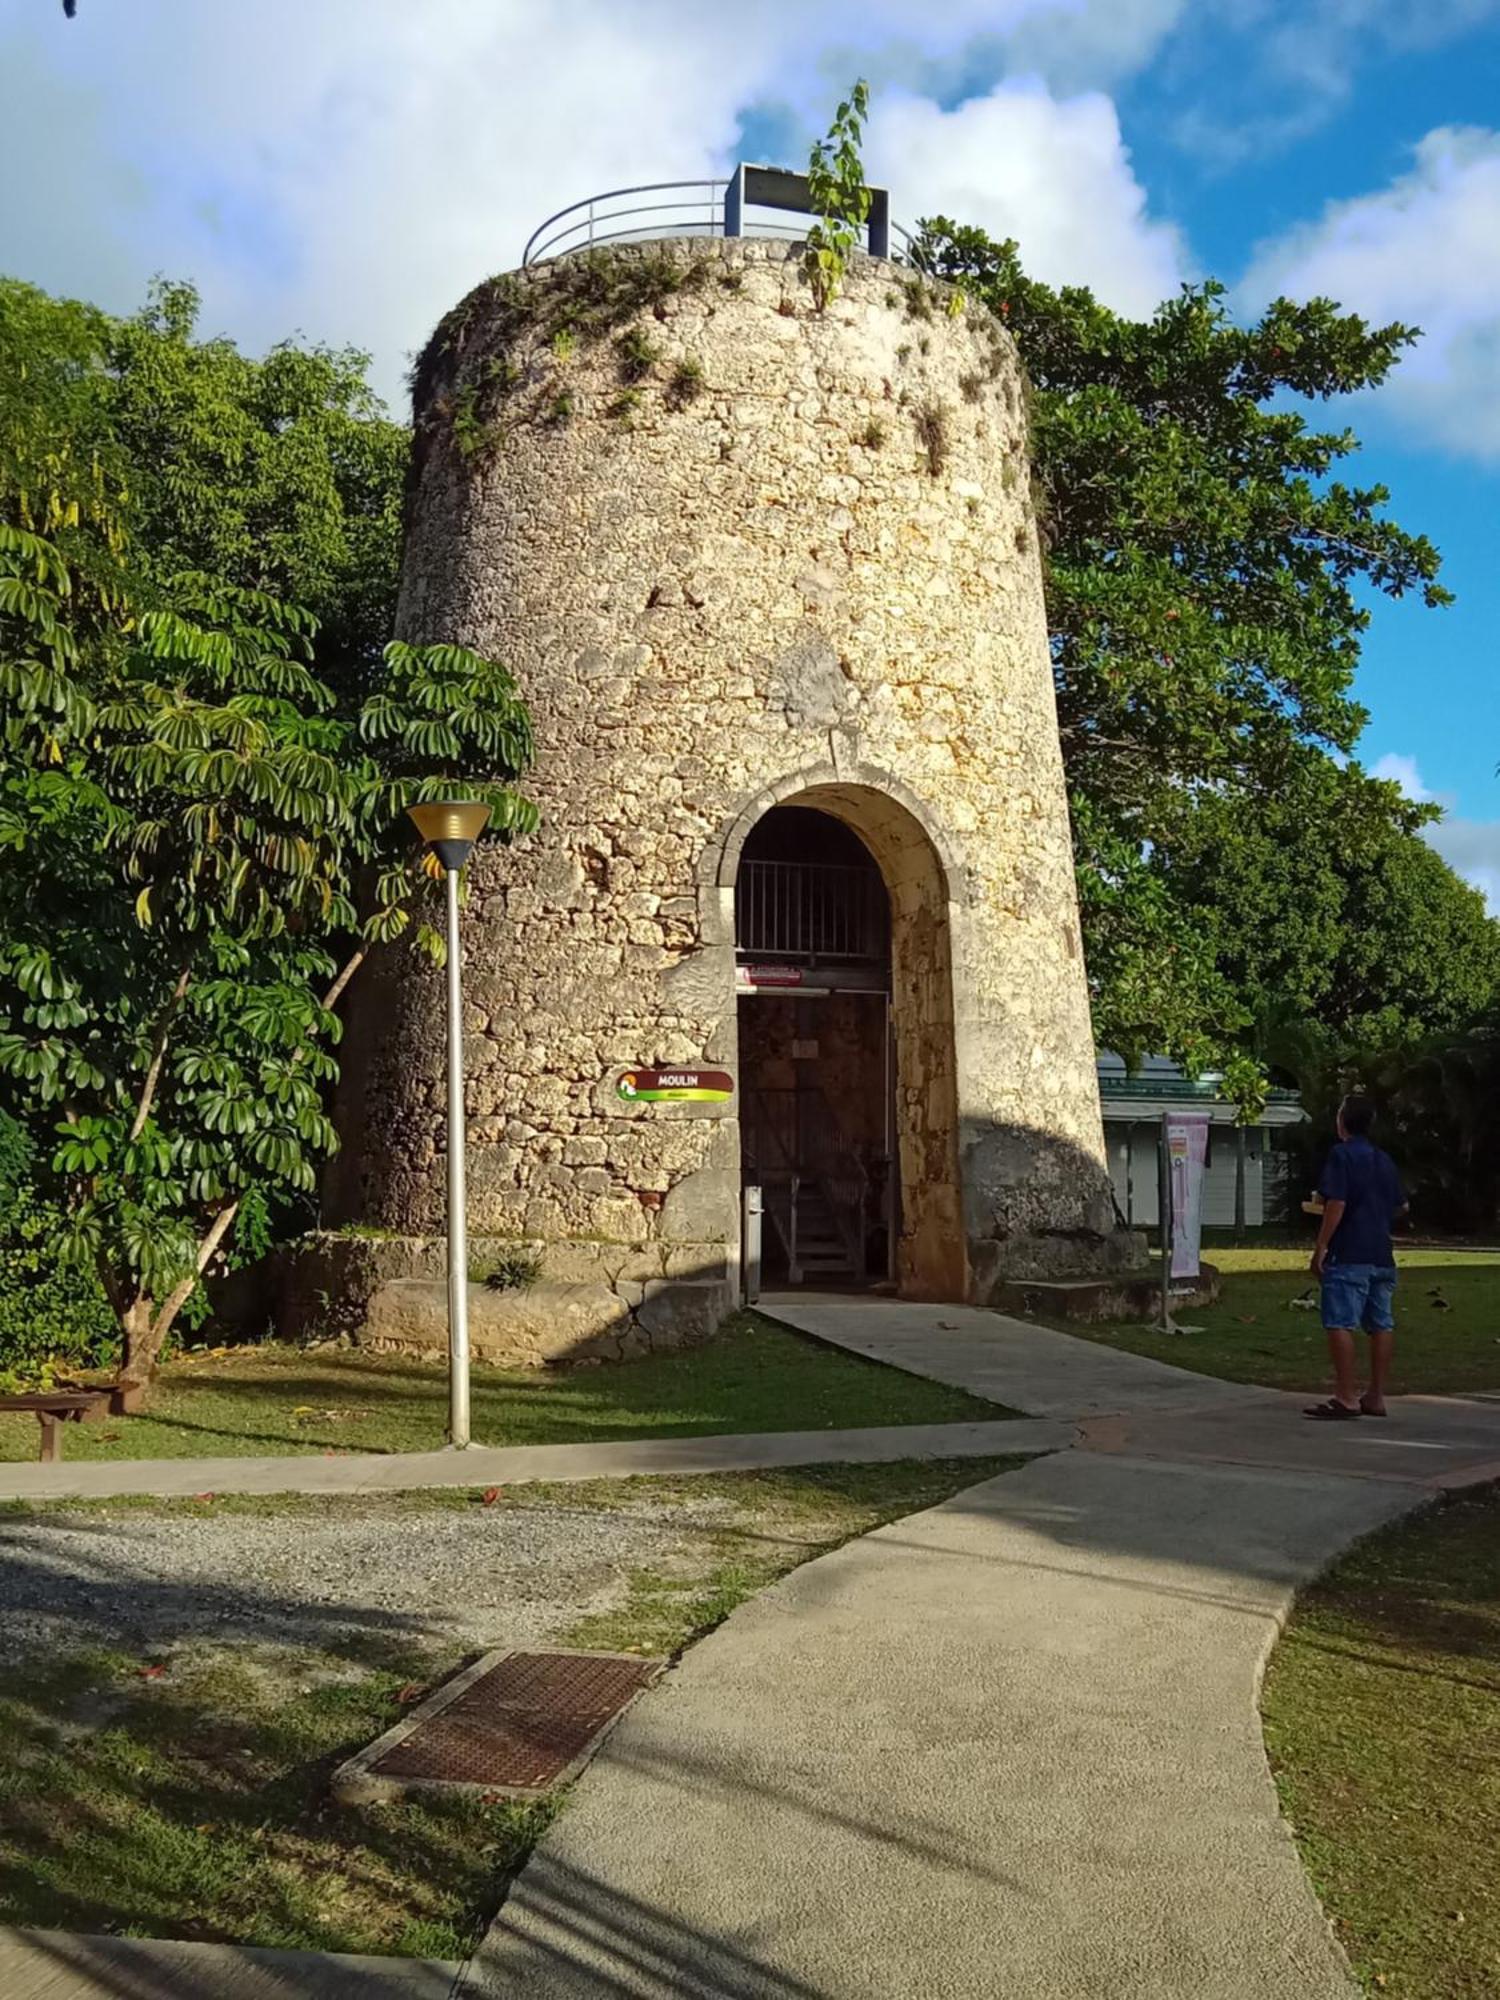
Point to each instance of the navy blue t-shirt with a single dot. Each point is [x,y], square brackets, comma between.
[1365,1180]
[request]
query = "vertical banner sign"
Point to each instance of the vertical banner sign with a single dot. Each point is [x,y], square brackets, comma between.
[1185,1140]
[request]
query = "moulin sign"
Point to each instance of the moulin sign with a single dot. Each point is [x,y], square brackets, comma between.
[675,1086]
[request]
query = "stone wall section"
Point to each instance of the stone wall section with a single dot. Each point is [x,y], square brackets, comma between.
[798,555]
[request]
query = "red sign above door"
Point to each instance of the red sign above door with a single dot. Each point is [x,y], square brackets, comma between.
[769,975]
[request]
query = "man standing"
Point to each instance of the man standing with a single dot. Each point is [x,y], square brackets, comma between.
[1356,1261]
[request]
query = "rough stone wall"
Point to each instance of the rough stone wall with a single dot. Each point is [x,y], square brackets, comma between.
[794,558]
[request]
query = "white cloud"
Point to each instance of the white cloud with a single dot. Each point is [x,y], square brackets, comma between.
[349,172]
[1471,847]
[1402,771]
[1426,249]
[1056,175]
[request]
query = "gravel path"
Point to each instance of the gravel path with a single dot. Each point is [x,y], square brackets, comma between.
[336,1570]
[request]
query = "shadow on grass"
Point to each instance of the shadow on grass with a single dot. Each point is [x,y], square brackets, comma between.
[183,1793]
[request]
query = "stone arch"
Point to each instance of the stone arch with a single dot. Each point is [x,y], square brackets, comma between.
[924,886]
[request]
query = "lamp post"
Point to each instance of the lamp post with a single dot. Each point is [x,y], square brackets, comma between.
[450,828]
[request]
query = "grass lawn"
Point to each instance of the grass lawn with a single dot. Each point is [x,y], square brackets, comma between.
[752,1376]
[191,1801]
[1382,1714]
[1254,1335]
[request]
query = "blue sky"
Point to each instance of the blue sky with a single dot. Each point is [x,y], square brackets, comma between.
[347,168]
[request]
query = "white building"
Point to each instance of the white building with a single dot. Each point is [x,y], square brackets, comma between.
[1245,1184]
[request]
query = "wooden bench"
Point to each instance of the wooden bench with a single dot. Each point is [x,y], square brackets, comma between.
[68,1404]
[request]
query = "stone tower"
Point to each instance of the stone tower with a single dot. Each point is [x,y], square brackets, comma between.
[769,580]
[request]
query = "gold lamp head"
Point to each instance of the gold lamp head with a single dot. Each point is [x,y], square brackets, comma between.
[450,827]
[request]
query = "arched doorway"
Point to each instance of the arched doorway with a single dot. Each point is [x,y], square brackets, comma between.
[847,1064]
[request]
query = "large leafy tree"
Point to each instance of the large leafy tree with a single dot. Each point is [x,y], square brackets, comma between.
[199,808]
[1207,578]
[281,475]
[1321,905]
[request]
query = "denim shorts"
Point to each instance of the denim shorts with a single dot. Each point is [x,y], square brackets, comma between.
[1359,1295]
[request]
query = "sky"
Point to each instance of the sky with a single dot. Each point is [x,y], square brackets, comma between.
[344,170]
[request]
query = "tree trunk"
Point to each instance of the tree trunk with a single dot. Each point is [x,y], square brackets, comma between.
[141,1345]
[145,1325]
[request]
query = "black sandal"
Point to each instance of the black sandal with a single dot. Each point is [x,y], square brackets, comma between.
[1332,1412]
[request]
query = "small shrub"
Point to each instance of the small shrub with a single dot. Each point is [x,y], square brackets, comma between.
[54,1317]
[560,410]
[872,437]
[636,354]
[918,299]
[932,431]
[625,405]
[686,383]
[509,1271]
[565,343]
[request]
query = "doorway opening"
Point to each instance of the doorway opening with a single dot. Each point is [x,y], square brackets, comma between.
[817,1054]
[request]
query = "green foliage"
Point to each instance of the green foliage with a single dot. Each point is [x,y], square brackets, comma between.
[1204,571]
[931,420]
[187,802]
[636,353]
[1437,1116]
[514,1270]
[1323,904]
[840,199]
[53,1316]
[281,475]
[685,384]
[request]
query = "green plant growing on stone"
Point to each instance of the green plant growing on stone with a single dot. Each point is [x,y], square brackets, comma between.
[514,1270]
[918,299]
[932,432]
[685,384]
[636,354]
[626,405]
[840,199]
[565,343]
[872,437]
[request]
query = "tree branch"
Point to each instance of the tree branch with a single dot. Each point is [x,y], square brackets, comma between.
[178,1297]
[335,992]
[158,1056]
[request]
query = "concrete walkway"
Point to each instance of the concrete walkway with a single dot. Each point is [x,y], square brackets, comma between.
[514,1465]
[57,1965]
[1009,1746]
[1006,1747]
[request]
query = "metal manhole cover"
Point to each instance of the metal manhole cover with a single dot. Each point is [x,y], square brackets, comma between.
[513,1722]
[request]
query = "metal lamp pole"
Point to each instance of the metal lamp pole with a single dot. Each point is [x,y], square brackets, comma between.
[450,827]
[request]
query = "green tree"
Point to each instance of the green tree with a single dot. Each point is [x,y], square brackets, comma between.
[200,824]
[1323,903]
[280,475]
[1203,571]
